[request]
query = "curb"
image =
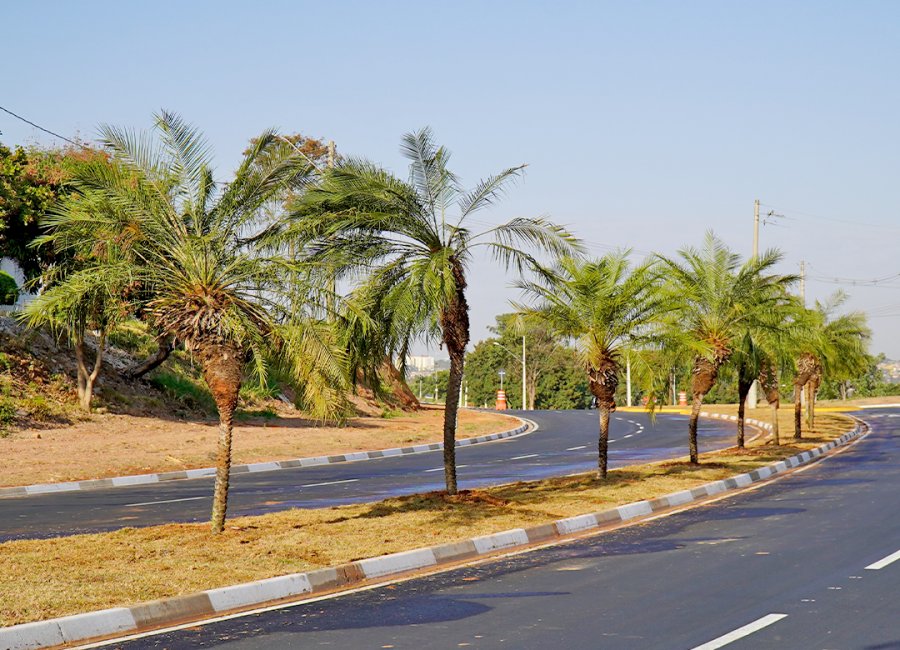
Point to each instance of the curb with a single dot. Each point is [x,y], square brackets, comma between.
[208,472]
[181,609]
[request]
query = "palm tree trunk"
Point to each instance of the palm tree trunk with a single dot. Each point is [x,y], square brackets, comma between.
[743,391]
[451,407]
[797,411]
[775,424]
[455,330]
[222,370]
[603,442]
[692,429]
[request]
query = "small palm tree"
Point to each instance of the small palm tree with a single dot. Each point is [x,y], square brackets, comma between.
[719,300]
[414,240]
[836,345]
[203,279]
[605,307]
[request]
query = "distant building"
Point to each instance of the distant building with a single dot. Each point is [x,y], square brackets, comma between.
[891,370]
[420,364]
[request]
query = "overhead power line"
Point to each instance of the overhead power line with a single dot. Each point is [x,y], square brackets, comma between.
[38,126]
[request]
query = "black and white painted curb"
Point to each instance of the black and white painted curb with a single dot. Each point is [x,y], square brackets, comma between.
[207,472]
[194,607]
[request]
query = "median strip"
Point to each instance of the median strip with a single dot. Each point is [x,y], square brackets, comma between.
[382,520]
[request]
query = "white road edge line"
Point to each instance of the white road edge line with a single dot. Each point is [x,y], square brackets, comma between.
[576,448]
[880,564]
[346,480]
[153,503]
[523,457]
[741,632]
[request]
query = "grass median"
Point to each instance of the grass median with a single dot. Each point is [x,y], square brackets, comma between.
[56,577]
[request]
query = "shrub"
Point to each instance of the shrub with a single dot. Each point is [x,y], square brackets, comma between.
[9,290]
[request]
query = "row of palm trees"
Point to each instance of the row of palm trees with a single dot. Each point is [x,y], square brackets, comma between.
[150,233]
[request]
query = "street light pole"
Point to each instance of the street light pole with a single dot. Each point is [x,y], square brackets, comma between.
[524,403]
[502,374]
[510,352]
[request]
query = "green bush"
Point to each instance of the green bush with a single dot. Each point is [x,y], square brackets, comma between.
[9,290]
[189,392]
[7,415]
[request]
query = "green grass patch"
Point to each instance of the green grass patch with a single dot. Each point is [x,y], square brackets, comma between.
[184,389]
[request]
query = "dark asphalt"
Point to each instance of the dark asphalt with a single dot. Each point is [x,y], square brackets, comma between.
[565,443]
[797,547]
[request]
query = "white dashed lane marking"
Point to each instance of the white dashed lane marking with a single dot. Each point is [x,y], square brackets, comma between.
[880,564]
[153,503]
[741,632]
[524,457]
[346,480]
[576,448]
[441,469]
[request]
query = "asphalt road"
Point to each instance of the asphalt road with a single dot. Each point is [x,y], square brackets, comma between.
[565,443]
[802,563]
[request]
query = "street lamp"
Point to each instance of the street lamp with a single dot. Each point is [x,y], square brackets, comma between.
[502,374]
[512,354]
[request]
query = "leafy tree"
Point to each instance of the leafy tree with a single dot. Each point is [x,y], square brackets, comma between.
[31,181]
[605,307]
[718,299]
[190,243]
[414,239]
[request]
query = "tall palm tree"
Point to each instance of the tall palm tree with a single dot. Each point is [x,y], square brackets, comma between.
[605,307]
[205,282]
[415,240]
[719,298]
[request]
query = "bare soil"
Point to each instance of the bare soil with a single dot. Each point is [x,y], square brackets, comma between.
[116,445]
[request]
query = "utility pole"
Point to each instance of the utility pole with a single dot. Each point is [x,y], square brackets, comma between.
[751,396]
[524,403]
[330,159]
[803,282]
[628,379]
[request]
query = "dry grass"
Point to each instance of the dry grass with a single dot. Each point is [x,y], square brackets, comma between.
[49,578]
[116,445]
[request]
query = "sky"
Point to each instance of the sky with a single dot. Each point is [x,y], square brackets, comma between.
[644,124]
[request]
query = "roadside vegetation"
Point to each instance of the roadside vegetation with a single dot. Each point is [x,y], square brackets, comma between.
[306,278]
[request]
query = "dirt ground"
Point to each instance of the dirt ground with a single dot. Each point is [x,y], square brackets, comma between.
[117,445]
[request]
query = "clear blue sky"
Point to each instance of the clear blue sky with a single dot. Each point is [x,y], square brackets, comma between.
[644,123]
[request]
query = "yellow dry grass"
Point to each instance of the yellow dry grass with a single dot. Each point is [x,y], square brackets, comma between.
[50,578]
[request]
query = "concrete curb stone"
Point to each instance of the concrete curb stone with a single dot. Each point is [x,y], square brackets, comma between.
[170,611]
[208,472]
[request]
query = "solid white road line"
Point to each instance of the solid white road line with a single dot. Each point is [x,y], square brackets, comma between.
[576,448]
[628,436]
[347,480]
[880,564]
[523,457]
[741,632]
[153,503]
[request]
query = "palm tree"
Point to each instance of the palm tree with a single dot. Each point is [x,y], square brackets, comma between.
[605,307]
[769,343]
[837,346]
[719,298]
[415,240]
[206,283]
